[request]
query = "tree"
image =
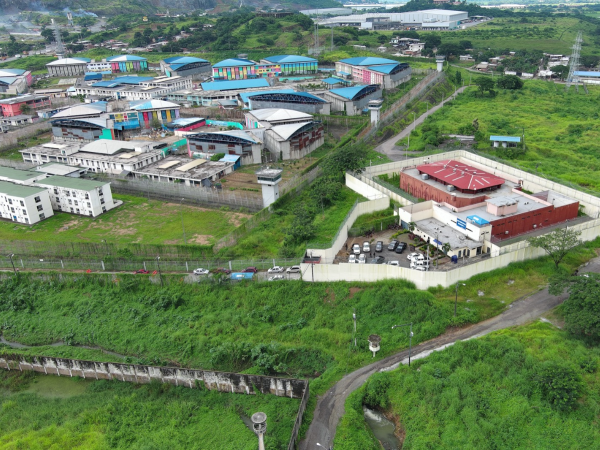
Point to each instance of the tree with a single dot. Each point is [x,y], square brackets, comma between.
[582,309]
[560,384]
[484,84]
[25,109]
[325,190]
[446,248]
[302,227]
[557,244]
[156,124]
[465,44]
[350,158]
[512,82]
[458,77]
[560,71]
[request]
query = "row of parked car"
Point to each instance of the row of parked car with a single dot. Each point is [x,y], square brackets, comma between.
[417,260]
[394,246]
[275,269]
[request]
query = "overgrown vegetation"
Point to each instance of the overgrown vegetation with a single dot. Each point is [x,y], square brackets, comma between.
[531,387]
[46,411]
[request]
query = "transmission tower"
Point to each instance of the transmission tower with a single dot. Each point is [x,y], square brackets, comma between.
[60,48]
[574,63]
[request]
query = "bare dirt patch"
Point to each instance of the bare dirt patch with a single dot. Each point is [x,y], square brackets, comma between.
[66,226]
[353,291]
[330,297]
[237,218]
[201,239]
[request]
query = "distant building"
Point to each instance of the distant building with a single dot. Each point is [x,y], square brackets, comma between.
[272,66]
[14,81]
[373,70]
[430,19]
[68,67]
[134,87]
[352,100]
[505,141]
[232,142]
[12,106]
[181,169]
[185,124]
[150,110]
[293,64]
[127,63]
[17,121]
[217,92]
[298,101]
[186,66]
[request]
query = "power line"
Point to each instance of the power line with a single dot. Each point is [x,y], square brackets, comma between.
[574,63]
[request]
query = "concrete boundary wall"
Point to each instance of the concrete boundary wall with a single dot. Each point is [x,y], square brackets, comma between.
[377,204]
[134,373]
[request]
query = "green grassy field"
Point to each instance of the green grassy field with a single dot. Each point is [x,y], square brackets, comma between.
[488,393]
[561,132]
[41,411]
[549,34]
[136,221]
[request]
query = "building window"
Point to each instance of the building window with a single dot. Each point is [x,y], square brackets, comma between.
[26,220]
[87,196]
[211,147]
[102,201]
[22,203]
[70,202]
[71,209]
[103,209]
[90,214]
[40,207]
[56,191]
[57,199]
[25,212]
[76,204]
[68,193]
[74,194]
[10,201]
[42,216]
[89,205]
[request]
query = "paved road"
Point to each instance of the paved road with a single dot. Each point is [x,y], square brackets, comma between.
[330,407]
[394,152]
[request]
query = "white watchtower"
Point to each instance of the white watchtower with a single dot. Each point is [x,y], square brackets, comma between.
[374,106]
[439,59]
[269,178]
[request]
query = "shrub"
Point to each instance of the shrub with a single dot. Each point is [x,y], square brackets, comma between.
[560,384]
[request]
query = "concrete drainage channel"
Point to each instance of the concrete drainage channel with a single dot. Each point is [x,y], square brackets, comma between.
[192,378]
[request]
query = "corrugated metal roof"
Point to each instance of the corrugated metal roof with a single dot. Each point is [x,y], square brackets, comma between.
[11,72]
[8,80]
[69,61]
[90,109]
[140,105]
[349,92]
[287,59]
[460,175]
[286,131]
[332,80]
[246,95]
[230,158]
[123,58]
[276,114]
[585,73]
[183,60]
[234,62]
[505,138]
[367,61]
[18,190]
[385,68]
[72,183]
[16,174]
[234,84]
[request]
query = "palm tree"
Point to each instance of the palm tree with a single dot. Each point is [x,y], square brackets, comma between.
[446,248]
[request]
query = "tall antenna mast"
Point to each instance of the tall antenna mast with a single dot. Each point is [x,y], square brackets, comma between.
[60,48]
[574,63]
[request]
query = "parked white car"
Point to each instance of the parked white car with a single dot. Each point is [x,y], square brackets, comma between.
[394,263]
[356,249]
[413,255]
[276,269]
[276,277]
[352,259]
[362,258]
[366,247]
[201,271]
[419,267]
[293,269]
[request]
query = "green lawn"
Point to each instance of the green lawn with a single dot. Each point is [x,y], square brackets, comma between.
[550,34]
[136,221]
[41,411]
[561,128]
[488,393]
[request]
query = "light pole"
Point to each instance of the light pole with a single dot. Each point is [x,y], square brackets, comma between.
[410,335]
[182,227]
[12,262]
[159,272]
[456,296]
[354,319]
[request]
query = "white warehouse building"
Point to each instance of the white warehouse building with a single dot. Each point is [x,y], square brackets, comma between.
[427,19]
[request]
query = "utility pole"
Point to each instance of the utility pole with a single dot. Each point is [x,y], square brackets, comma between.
[354,319]
[410,335]
[182,226]
[456,295]
[159,272]
[13,264]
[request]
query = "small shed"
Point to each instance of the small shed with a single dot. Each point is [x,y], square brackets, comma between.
[505,141]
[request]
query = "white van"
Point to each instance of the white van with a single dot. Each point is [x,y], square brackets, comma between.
[419,263]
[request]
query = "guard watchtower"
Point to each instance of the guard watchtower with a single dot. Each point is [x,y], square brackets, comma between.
[439,59]
[269,178]
[374,106]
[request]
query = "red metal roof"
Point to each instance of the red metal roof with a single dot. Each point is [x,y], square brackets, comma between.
[460,175]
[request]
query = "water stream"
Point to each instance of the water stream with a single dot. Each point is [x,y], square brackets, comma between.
[59,344]
[382,428]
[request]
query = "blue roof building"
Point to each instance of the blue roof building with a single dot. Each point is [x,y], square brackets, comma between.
[385,72]
[296,101]
[272,66]
[186,66]
[353,100]
[127,63]
[293,64]
[234,85]
[505,141]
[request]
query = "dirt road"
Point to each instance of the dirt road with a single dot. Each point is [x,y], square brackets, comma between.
[330,407]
